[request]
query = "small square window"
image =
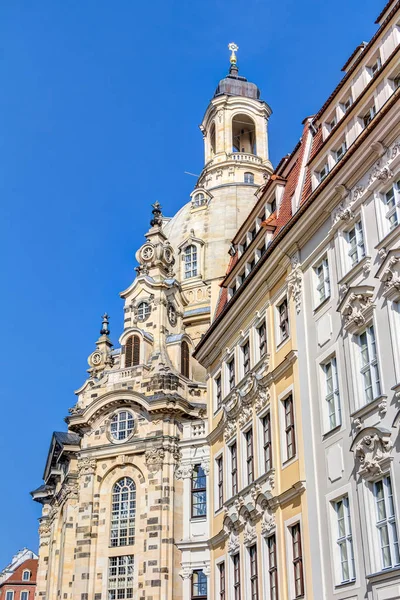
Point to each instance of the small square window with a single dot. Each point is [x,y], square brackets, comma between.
[332,124]
[375,67]
[341,151]
[369,115]
[347,103]
[323,172]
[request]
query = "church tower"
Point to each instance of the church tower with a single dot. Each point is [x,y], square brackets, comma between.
[126,493]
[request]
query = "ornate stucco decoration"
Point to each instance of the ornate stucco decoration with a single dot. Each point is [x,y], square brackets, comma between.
[86,466]
[186,573]
[229,429]
[372,447]
[154,459]
[268,523]
[183,471]
[238,405]
[249,533]
[69,491]
[381,173]
[356,307]
[233,542]
[389,274]
[294,282]
[342,213]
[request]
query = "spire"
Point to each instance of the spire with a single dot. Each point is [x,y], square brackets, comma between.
[104,325]
[233,59]
[157,215]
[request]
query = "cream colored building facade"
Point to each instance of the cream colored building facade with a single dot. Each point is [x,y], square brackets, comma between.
[126,496]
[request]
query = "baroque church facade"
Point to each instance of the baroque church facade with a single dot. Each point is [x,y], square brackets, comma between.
[242,441]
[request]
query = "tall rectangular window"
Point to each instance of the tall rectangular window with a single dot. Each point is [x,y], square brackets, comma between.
[120,577]
[386,523]
[246,357]
[344,540]
[356,246]
[323,281]
[199,492]
[231,374]
[369,365]
[9,595]
[272,568]
[297,561]
[220,481]
[253,573]
[289,428]
[283,320]
[392,206]
[24,595]
[218,391]
[236,576]
[332,397]
[262,339]
[234,471]
[267,442]
[249,456]
[222,581]
[199,585]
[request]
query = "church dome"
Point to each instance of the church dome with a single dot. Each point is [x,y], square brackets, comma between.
[235,85]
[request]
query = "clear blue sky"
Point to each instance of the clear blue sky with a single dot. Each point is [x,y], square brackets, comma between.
[99,106]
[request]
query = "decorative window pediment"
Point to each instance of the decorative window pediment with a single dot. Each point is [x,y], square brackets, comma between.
[356,307]
[372,447]
[200,198]
[389,275]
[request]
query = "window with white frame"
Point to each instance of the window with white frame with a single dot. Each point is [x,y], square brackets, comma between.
[236,577]
[267,441]
[199,585]
[369,368]
[332,124]
[199,492]
[123,512]
[222,581]
[323,172]
[386,523]
[253,572]
[24,595]
[122,425]
[332,397]
[391,200]
[10,595]
[289,429]
[340,151]
[26,575]
[272,568]
[345,105]
[369,115]
[272,205]
[355,243]
[219,468]
[120,577]
[297,560]
[249,178]
[199,199]
[249,456]
[218,391]
[234,468]
[190,261]
[323,283]
[375,67]
[262,339]
[231,374]
[283,316]
[344,541]
[246,357]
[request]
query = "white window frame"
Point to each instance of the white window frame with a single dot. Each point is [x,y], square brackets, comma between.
[279,341]
[285,461]
[394,210]
[243,457]
[323,172]
[230,358]
[324,284]
[358,248]
[132,574]
[340,151]
[7,595]
[218,508]
[23,575]
[194,262]
[344,539]
[242,366]
[221,559]
[371,366]
[389,522]
[289,554]
[215,390]
[331,398]
[394,320]
[368,115]
[24,592]
[375,67]
[123,518]
[266,587]
[346,104]
[229,486]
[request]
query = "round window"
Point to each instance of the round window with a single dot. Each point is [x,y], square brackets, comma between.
[122,425]
[143,311]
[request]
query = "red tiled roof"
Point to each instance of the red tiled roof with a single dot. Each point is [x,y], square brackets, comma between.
[28,565]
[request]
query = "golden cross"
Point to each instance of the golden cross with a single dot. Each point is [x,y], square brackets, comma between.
[233,48]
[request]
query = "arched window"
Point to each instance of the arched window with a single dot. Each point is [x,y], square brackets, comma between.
[248,178]
[123,511]
[185,359]
[122,425]
[143,311]
[190,259]
[199,199]
[132,351]
[243,134]
[26,575]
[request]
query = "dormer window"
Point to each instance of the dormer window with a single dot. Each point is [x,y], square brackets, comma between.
[323,172]
[199,200]
[26,575]
[369,115]
[272,206]
[190,259]
[248,178]
[339,153]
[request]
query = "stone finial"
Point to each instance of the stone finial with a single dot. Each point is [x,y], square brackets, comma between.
[104,325]
[157,215]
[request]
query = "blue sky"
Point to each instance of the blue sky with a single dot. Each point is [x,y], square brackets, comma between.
[99,107]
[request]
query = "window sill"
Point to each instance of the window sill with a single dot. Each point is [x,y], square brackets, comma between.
[289,461]
[324,302]
[368,408]
[327,434]
[354,271]
[384,574]
[201,519]
[389,238]
[282,343]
